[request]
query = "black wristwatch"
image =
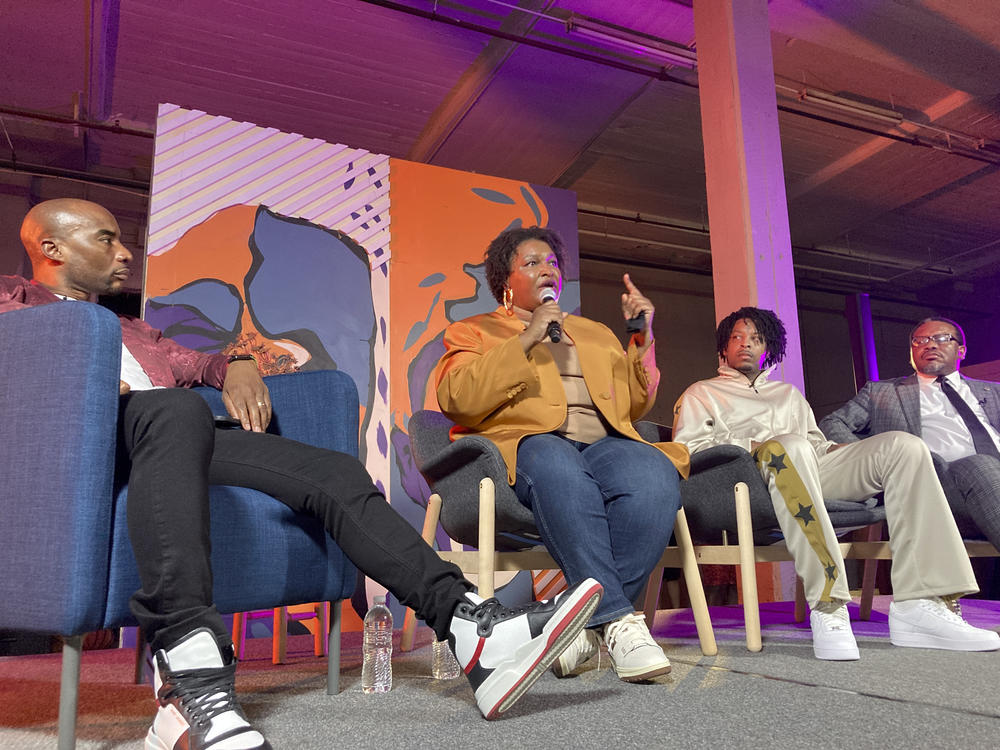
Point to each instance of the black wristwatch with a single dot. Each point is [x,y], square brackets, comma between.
[240,358]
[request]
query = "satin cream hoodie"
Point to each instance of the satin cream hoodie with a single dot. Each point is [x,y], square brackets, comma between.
[730,410]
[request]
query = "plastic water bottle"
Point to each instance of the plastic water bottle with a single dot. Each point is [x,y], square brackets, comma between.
[444,665]
[376,670]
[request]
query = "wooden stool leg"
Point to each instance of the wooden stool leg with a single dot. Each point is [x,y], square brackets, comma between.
[322,633]
[652,596]
[279,638]
[800,600]
[431,516]
[140,655]
[673,587]
[239,633]
[487,541]
[696,592]
[874,534]
[748,570]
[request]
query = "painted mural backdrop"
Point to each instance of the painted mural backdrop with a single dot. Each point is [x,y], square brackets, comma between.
[280,245]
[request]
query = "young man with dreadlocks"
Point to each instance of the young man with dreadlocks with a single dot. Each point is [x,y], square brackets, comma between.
[773,421]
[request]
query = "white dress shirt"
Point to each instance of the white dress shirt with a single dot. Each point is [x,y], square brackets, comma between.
[131,372]
[943,428]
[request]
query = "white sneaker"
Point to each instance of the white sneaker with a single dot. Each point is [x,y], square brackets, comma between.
[832,635]
[581,650]
[930,623]
[193,680]
[634,654]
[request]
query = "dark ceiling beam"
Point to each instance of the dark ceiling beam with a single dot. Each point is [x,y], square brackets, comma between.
[103,36]
[473,82]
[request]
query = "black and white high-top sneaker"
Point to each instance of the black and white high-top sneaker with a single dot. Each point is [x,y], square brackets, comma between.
[503,651]
[194,683]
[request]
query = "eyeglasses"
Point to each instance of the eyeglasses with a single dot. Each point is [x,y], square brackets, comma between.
[940,338]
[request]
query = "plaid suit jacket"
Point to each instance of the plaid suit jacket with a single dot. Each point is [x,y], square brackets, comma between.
[885,405]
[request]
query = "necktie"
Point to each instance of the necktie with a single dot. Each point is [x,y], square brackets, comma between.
[980,437]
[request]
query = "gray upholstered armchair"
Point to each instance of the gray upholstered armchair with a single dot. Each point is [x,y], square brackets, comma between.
[464,473]
[725,498]
[707,495]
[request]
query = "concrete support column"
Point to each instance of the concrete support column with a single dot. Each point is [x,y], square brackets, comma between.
[747,210]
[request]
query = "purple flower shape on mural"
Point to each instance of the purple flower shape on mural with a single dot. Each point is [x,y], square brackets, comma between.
[307,284]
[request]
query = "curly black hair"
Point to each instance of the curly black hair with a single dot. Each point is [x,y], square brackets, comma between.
[768,325]
[503,248]
[940,319]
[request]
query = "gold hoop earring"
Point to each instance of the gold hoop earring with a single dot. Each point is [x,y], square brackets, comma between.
[508,301]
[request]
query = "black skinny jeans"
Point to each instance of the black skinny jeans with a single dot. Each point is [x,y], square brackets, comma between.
[170,451]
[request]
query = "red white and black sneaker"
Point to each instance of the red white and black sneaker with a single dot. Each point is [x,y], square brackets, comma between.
[194,683]
[504,650]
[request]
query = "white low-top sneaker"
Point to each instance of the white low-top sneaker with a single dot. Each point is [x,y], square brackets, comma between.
[930,623]
[503,650]
[580,651]
[634,654]
[197,708]
[831,631]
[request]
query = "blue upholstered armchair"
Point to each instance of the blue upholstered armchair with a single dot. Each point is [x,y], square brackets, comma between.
[67,566]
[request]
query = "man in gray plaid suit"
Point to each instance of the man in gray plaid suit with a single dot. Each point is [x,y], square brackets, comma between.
[958,418]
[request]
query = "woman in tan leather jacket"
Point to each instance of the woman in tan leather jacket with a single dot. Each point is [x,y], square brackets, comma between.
[558,395]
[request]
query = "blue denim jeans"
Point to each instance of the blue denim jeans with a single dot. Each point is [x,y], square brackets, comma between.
[604,510]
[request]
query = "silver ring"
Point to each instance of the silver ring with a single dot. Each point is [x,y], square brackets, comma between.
[261,403]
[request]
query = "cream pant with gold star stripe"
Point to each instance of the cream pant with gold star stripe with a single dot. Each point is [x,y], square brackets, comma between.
[928,557]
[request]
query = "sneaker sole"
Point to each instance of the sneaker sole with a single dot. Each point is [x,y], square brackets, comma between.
[643,675]
[923,640]
[510,685]
[837,655]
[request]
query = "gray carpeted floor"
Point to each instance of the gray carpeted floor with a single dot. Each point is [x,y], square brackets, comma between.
[780,697]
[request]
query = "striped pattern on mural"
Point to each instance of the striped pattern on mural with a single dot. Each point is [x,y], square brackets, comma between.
[203,163]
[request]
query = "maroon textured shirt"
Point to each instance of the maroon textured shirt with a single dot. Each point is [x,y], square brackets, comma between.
[166,362]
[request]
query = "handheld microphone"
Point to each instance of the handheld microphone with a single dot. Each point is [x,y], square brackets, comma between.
[636,324]
[554,329]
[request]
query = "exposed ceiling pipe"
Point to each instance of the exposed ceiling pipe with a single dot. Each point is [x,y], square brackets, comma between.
[701,230]
[30,114]
[662,75]
[139,187]
[430,15]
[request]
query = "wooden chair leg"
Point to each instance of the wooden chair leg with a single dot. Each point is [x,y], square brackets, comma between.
[748,570]
[692,577]
[800,600]
[322,632]
[874,534]
[431,516]
[487,541]
[333,651]
[673,587]
[652,595]
[140,656]
[239,633]
[279,638]
[69,686]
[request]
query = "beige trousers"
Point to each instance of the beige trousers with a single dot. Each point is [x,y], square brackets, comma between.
[928,556]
